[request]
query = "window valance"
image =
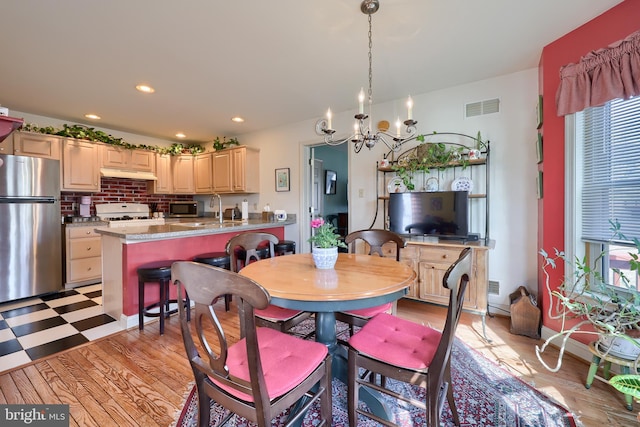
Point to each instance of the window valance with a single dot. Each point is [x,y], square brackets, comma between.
[600,76]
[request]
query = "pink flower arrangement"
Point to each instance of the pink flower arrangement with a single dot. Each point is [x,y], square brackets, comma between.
[324,235]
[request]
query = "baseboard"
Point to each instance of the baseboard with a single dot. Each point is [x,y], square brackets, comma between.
[573,347]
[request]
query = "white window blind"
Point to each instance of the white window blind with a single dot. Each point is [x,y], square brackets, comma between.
[611,169]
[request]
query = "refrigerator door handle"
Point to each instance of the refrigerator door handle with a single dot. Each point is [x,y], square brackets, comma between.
[31,199]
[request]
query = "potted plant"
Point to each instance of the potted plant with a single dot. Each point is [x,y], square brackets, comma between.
[325,241]
[221,145]
[611,315]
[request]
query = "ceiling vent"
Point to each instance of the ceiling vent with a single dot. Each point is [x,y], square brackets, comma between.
[481,108]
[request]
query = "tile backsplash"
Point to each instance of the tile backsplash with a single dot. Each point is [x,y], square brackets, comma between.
[118,190]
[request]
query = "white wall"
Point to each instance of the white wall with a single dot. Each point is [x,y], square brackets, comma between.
[512,132]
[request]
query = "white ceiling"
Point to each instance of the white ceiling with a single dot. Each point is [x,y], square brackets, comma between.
[272,62]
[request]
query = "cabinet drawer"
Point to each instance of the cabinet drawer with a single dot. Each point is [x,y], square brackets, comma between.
[440,255]
[84,248]
[80,232]
[84,269]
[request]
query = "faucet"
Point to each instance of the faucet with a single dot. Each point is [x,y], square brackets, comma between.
[219,205]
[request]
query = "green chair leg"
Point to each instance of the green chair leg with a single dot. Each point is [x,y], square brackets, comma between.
[607,370]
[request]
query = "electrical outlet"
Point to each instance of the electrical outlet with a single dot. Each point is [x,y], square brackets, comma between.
[361,193]
[255,206]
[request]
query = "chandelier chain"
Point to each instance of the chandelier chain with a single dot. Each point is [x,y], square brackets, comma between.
[370,63]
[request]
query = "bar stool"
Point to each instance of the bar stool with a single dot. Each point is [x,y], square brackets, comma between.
[217,259]
[284,247]
[157,272]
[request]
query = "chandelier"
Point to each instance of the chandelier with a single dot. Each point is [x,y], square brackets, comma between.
[363,135]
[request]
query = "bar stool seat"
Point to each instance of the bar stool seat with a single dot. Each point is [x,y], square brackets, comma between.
[284,247]
[157,272]
[217,259]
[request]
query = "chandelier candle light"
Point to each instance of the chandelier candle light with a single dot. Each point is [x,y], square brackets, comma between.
[363,134]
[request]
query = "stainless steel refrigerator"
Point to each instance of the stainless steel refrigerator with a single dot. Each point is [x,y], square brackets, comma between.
[30,227]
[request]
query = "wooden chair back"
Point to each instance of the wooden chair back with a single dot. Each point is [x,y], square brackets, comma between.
[250,242]
[204,284]
[375,239]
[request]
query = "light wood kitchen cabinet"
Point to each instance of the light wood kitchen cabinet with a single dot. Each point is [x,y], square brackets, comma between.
[222,171]
[163,184]
[431,261]
[80,166]
[203,173]
[182,174]
[125,159]
[236,170]
[246,170]
[36,145]
[6,146]
[83,255]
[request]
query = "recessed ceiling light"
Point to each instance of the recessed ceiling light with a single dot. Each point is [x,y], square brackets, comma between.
[145,88]
[92,116]
[237,119]
[180,135]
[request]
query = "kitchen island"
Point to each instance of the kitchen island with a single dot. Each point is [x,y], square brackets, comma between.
[124,249]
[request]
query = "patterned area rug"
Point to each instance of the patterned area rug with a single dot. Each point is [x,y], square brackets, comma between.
[485,395]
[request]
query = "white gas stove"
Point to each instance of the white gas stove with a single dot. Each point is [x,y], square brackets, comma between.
[126,214]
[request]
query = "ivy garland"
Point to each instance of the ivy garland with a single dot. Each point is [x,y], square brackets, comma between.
[91,134]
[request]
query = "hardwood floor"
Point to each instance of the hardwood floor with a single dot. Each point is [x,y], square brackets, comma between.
[138,378]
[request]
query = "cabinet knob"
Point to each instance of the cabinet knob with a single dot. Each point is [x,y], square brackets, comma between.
[88,248]
[445,256]
[88,232]
[89,269]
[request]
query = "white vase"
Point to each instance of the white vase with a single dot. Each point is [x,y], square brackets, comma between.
[325,258]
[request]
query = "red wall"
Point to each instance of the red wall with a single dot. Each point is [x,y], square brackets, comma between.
[613,25]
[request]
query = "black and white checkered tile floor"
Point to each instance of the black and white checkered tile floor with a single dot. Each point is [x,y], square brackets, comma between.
[34,328]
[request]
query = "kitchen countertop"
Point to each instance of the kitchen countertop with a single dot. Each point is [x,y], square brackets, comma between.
[188,228]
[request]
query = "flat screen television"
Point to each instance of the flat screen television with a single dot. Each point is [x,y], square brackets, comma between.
[439,213]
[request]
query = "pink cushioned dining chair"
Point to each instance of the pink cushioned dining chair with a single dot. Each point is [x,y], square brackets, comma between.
[375,239]
[410,352]
[247,377]
[281,319]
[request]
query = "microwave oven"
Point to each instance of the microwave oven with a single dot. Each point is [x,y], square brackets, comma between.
[190,209]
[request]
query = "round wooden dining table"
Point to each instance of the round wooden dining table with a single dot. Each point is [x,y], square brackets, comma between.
[357,281]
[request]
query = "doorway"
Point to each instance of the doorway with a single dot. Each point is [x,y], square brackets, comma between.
[321,200]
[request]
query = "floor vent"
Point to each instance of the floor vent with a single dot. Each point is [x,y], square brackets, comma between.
[480,108]
[494,287]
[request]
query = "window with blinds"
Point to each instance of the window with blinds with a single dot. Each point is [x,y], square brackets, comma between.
[610,184]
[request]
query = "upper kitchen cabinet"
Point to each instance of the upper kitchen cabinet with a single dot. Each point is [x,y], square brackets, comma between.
[36,145]
[80,166]
[125,159]
[203,173]
[6,145]
[163,183]
[236,170]
[182,174]
[222,171]
[246,169]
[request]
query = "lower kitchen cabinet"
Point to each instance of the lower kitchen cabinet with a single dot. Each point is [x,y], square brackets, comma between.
[431,261]
[83,255]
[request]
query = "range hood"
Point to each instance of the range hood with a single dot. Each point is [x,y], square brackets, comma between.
[8,125]
[118,173]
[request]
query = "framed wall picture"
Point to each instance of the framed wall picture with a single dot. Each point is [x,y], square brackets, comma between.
[539,113]
[539,185]
[539,148]
[330,179]
[282,180]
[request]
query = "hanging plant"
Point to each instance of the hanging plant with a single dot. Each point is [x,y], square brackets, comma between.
[90,134]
